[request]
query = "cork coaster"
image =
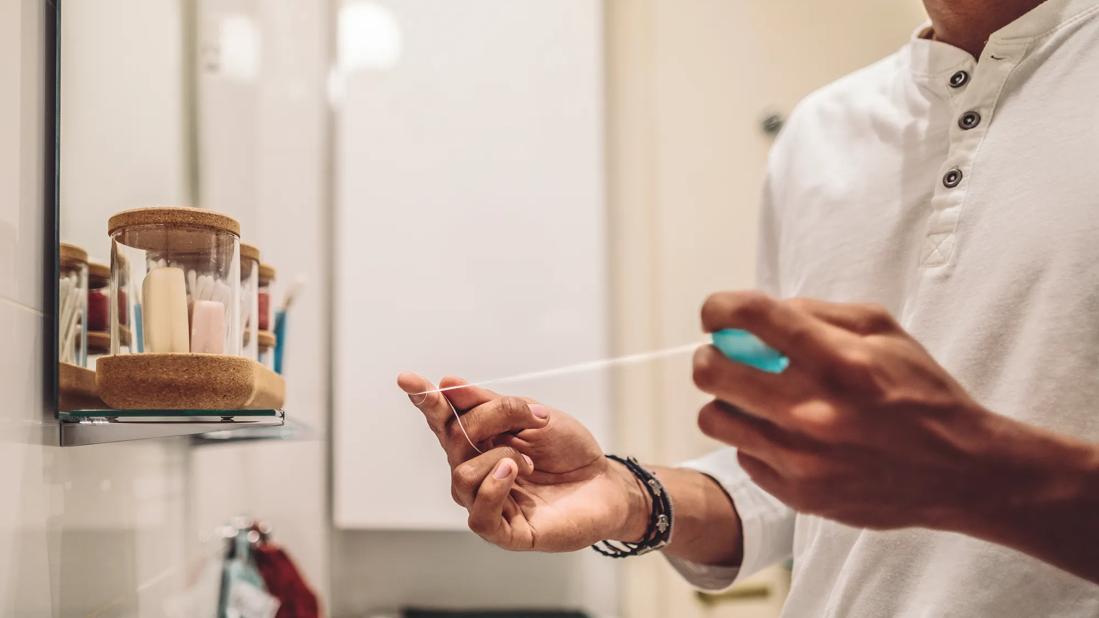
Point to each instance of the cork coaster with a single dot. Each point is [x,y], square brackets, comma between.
[176,381]
[270,389]
[76,388]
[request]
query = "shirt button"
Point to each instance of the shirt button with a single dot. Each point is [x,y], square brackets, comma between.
[952,177]
[959,79]
[969,120]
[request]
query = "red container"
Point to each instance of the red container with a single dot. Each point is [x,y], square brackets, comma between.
[99,281]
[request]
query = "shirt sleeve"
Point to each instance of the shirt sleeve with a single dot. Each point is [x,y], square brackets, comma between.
[767,525]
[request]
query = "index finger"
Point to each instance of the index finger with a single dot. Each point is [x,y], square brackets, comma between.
[468,396]
[797,334]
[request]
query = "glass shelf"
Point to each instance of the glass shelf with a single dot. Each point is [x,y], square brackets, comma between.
[82,427]
[76,415]
[291,430]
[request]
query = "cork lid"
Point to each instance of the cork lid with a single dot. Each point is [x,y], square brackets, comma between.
[265,339]
[249,252]
[71,254]
[99,275]
[173,215]
[99,342]
[267,272]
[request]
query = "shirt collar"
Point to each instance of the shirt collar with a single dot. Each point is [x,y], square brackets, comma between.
[928,58]
[1044,19]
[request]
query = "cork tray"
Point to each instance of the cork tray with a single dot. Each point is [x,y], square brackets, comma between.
[76,388]
[187,381]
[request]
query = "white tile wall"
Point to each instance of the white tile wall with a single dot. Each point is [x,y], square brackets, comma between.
[22,115]
[88,529]
[95,530]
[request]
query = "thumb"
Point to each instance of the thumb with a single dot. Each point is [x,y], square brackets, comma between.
[486,515]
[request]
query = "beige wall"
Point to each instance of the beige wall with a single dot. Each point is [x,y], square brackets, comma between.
[689,83]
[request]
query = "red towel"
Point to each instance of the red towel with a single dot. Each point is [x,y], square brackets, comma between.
[285,583]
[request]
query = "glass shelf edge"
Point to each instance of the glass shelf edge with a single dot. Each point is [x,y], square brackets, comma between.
[290,431]
[79,415]
[113,427]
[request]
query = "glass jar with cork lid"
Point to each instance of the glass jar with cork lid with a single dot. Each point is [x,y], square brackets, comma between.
[249,300]
[184,305]
[184,265]
[99,327]
[267,276]
[72,306]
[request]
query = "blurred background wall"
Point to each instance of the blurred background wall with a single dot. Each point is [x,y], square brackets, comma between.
[118,530]
[690,85]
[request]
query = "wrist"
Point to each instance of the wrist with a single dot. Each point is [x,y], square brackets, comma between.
[1030,479]
[633,521]
[1057,523]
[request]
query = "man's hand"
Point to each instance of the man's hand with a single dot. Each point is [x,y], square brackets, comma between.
[541,483]
[864,427]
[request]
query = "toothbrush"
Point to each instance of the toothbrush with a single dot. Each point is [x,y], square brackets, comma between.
[280,321]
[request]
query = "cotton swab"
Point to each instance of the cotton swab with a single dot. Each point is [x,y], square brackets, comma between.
[71,332]
[63,317]
[69,315]
[292,293]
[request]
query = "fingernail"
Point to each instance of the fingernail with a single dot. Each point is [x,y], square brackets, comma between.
[530,462]
[503,469]
[539,410]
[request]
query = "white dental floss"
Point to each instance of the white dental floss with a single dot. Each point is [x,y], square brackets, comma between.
[596,365]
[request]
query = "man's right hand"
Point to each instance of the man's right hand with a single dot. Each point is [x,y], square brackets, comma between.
[542,482]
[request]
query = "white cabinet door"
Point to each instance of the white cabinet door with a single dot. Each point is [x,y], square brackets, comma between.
[470,229]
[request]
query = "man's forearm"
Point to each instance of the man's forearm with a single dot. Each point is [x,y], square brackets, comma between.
[1048,507]
[706,526]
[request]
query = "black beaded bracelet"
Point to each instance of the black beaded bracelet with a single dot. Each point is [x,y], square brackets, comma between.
[659,530]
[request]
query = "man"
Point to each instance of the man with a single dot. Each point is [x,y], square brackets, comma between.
[954,186]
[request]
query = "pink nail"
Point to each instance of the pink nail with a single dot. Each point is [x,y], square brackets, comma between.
[503,469]
[539,410]
[530,462]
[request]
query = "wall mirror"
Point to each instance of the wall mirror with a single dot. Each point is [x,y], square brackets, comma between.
[428,180]
[436,204]
[157,105]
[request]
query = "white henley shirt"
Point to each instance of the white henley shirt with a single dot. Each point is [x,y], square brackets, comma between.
[963,195]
